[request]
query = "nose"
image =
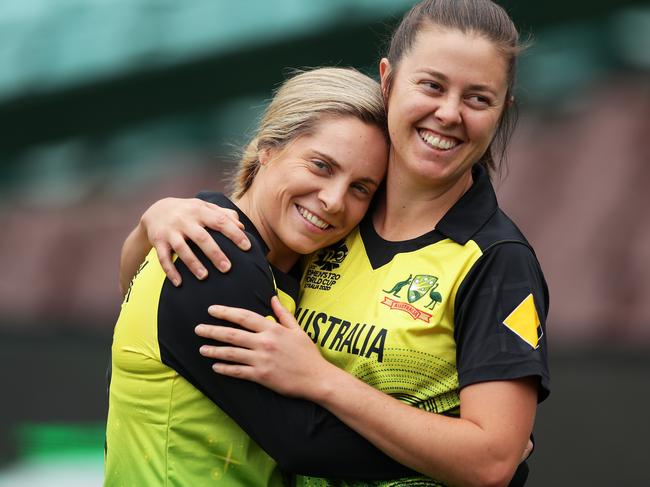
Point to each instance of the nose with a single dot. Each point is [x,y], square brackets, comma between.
[332,196]
[448,111]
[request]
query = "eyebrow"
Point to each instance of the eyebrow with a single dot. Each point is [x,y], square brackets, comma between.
[333,162]
[442,77]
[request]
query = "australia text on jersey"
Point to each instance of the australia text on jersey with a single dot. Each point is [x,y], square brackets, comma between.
[359,339]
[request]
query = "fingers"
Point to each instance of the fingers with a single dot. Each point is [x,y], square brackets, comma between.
[232,214]
[182,249]
[246,364]
[209,247]
[242,317]
[171,222]
[231,354]
[165,258]
[227,222]
[236,371]
[284,316]
[222,220]
[225,334]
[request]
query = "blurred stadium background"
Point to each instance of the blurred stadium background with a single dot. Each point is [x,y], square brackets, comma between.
[107,105]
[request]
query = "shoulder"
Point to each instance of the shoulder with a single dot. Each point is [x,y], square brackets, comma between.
[215,197]
[253,258]
[507,269]
[506,254]
[499,229]
[506,275]
[249,278]
[249,283]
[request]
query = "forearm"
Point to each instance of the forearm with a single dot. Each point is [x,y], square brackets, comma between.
[457,451]
[303,437]
[135,249]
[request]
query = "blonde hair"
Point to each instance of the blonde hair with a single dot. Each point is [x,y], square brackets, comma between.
[298,106]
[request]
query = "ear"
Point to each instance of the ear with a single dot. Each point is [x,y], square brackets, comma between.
[264,156]
[384,74]
[510,101]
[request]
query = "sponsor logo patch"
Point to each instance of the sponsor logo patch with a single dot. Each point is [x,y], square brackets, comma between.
[524,322]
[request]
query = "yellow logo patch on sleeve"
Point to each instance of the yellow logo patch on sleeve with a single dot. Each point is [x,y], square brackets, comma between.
[524,322]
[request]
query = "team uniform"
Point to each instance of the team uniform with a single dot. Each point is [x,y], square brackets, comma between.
[163,425]
[418,320]
[173,421]
[422,318]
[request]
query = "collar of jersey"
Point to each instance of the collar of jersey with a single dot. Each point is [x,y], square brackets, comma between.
[460,223]
[471,211]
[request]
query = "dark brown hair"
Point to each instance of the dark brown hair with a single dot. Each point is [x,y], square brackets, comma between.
[482,17]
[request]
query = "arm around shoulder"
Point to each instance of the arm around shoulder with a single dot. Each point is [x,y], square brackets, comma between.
[481,448]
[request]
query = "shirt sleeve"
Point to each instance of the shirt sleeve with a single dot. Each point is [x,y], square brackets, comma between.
[301,436]
[500,325]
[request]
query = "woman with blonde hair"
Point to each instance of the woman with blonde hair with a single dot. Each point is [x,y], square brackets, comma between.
[309,175]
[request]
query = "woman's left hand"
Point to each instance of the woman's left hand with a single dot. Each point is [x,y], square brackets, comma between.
[279,356]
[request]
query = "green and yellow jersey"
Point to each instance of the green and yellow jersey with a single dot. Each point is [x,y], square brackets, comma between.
[422,318]
[164,426]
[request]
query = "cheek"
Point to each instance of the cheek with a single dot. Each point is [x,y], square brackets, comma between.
[407,114]
[404,110]
[398,127]
[484,128]
[397,108]
[356,209]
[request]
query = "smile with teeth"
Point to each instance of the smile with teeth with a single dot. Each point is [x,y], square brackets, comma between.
[437,141]
[313,219]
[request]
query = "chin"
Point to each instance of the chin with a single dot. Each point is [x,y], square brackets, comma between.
[306,248]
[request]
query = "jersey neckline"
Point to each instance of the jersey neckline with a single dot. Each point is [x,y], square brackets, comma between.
[463,220]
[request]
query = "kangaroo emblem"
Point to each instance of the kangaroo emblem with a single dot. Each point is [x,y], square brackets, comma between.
[398,287]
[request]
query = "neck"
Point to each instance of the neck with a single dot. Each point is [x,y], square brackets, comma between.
[410,208]
[279,254]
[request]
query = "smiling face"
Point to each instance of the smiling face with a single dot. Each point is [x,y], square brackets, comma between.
[315,190]
[445,100]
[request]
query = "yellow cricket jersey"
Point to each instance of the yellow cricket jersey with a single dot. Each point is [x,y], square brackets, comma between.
[420,319]
[164,426]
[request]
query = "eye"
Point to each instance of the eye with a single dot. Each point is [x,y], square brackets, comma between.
[479,101]
[362,189]
[432,85]
[322,165]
